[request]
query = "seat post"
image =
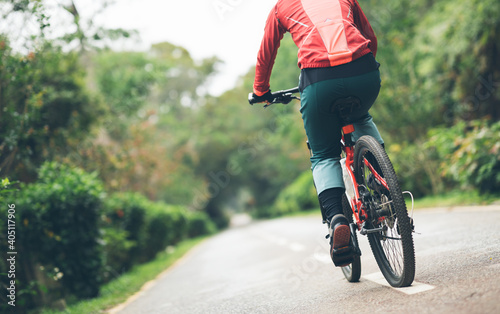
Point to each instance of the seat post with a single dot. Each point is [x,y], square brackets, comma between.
[347,130]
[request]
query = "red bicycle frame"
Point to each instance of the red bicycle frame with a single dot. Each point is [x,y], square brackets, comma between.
[356,203]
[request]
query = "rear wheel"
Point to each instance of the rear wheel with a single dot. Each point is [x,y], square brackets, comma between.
[352,272]
[392,245]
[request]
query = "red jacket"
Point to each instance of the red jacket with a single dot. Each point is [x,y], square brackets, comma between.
[327,33]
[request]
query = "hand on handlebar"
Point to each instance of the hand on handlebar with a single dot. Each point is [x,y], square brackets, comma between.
[268,98]
[282,97]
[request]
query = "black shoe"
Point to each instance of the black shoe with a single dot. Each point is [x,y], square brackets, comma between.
[341,250]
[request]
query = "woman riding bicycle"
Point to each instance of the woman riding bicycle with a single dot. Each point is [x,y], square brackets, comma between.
[337,49]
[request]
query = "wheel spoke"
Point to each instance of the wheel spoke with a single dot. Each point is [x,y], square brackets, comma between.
[393,250]
[390,240]
[385,207]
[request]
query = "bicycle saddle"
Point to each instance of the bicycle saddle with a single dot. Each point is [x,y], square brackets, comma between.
[346,106]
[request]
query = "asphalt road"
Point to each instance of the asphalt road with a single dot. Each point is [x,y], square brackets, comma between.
[282,266]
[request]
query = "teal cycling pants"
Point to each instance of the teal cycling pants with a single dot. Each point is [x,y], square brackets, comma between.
[323,127]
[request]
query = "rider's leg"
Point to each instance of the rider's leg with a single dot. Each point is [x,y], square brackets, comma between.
[331,202]
[366,126]
[366,87]
[323,132]
[323,127]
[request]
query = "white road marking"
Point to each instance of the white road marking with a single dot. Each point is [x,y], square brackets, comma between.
[416,287]
[281,241]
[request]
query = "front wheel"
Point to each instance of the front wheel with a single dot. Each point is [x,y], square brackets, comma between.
[392,245]
[352,272]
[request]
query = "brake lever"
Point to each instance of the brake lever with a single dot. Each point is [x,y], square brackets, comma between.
[285,100]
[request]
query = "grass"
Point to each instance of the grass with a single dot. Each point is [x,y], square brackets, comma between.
[456,198]
[451,199]
[120,289]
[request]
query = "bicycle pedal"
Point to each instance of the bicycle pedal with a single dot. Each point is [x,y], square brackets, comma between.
[342,250]
[343,257]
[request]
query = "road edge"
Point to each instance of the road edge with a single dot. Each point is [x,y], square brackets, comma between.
[148,285]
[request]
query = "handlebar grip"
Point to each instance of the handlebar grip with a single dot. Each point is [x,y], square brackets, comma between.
[284,97]
[289,91]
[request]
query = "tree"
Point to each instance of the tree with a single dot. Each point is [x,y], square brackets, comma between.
[44,107]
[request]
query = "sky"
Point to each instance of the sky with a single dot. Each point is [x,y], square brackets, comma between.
[229,29]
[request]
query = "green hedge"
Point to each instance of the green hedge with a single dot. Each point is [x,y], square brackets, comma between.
[73,237]
[199,224]
[57,227]
[300,195]
[165,225]
[469,154]
[123,222]
[142,228]
[465,156]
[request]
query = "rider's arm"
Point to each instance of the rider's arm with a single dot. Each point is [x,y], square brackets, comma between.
[365,28]
[273,33]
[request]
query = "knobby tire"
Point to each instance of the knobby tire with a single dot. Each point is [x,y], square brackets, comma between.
[392,248]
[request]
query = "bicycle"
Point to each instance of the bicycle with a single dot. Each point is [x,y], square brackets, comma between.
[373,202]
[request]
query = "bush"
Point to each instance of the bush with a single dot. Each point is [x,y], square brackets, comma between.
[199,224]
[298,196]
[72,241]
[124,224]
[416,168]
[469,154]
[166,225]
[143,228]
[116,252]
[59,229]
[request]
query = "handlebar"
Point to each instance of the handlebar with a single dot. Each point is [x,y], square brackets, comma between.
[280,97]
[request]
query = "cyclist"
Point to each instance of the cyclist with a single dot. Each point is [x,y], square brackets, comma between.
[336,55]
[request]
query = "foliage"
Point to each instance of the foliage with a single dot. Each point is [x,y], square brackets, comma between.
[199,224]
[117,249]
[58,226]
[297,196]
[250,150]
[81,241]
[125,81]
[123,222]
[165,225]
[435,70]
[136,229]
[6,189]
[44,108]
[469,154]
[464,156]
[417,168]
[145,143]
[145,123]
